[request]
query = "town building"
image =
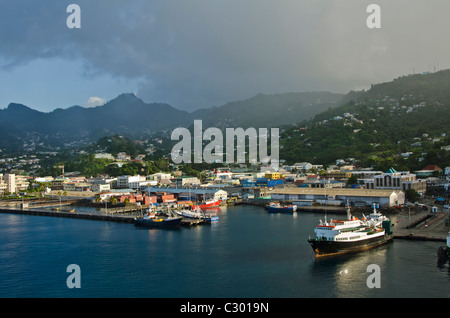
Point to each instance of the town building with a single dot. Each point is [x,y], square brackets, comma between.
[337,174]
[107,156]
[3,185]
[325,183]
[185,180]
[134,182]
[302,166]
[272,175]
[428,171]
[392,179]
[13,183]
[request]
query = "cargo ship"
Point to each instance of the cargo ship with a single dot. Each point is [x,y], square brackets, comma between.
[350,235]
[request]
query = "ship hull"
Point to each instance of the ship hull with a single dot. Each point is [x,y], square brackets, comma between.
[166,223]
[207,205]
[324,248]
[280,209]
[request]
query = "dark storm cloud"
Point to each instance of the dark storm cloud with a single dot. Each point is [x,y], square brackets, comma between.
[201,53]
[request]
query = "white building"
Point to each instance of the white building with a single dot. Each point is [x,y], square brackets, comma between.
[302,166]
[124,182]
[104,156]
[13,183]
[3,185]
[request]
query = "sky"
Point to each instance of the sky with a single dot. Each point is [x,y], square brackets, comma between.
[195,54]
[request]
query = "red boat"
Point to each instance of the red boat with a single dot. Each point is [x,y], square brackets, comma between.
[208,204]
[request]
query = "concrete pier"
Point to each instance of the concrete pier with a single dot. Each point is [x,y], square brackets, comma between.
[421,226]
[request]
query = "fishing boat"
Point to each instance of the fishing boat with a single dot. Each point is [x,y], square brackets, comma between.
[191,214]
[208,204]
[151,219]
[277,207]
[350,235]
[197,213]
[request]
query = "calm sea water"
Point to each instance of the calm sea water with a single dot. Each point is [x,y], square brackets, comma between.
[249,253]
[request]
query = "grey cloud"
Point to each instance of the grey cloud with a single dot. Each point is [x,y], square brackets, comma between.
[200,53]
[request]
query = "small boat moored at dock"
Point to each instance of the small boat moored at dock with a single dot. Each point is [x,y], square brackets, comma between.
[277,207]
[162,222]
[208,204]
[151,219]
[197,213]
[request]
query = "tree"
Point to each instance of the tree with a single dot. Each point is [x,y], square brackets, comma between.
[412,195]
[352,180]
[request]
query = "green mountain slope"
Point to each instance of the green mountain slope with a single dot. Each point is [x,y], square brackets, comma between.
[404,122]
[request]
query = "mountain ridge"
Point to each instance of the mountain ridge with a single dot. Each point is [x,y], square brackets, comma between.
[129,115]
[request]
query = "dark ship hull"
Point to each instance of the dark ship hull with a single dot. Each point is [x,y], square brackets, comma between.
[323,248]
[159,223]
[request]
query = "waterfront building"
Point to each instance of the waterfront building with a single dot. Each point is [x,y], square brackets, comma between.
[365,197]
[192,194]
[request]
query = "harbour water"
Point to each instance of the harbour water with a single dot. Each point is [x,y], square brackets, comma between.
[249,253]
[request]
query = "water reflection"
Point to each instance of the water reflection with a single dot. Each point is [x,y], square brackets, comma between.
[347,275]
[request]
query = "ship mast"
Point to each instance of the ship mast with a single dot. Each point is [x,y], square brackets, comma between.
[349,215]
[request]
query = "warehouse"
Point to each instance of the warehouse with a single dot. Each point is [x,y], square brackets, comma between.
[385,198]
[191,194]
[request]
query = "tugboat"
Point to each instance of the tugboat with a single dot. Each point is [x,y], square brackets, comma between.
[443,252]
[350,235]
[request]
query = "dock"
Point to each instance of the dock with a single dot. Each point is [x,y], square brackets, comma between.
[76,215]
[100,216]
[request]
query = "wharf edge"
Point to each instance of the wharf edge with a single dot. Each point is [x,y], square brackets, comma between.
[130,219]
